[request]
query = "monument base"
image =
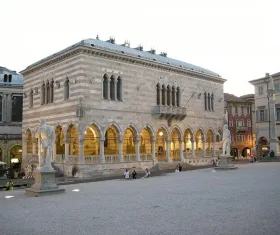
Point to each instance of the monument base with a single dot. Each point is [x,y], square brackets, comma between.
[226,163]
[44,183]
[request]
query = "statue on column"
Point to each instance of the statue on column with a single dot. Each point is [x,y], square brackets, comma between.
[226,137]
[46,137]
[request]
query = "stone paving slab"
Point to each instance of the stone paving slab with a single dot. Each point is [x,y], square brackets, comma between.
[244,201]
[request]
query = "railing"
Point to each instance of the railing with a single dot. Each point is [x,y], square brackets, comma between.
[199,153]
[161,157]
[111,158]
[209,153]
[188,154]
[241,128]
[168,112]
[73,159]
[58,158]
[91,159]
[146,157]
[129,158]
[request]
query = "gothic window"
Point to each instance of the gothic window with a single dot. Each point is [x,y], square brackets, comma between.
[119,89]
[168,95]
[212,102]
[173,96]
[105,87]
[205,101]
[47,92]
[66,89]
[31,99]
[51,91]
[112,88]
[10,78]
[163,92]
[178,96]
[1,101]
[17,107]
[5,78]
[43,93]
[158,94]
[209,102]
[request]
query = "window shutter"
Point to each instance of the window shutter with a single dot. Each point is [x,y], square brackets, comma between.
[265,115]
[258,115]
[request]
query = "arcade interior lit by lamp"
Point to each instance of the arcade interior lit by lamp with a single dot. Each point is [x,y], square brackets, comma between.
[14,160]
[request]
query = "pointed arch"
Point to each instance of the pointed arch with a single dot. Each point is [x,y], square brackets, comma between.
[66,89]
[112,88]
[112,136]
[150,129]
[168,92]
[119,89]
[163,95]
[178,97]
[43,93]
[158,94]
[173,96]
[92,139]
[59,139]
[130,136]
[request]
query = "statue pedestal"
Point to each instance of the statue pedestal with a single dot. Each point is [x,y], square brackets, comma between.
[226,163]
[44,183]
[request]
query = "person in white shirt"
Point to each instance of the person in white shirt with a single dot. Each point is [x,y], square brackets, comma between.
[126,174]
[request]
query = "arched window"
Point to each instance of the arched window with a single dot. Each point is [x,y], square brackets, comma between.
[163,93]
[66,89]
[31,99]
[158,94]
[10,78]
[119,89]
[5,78]
[212,102]
[51,91]
[173,96]
[209,102]
[105,87]
[168,95]
[47,92]
[112,88]
[205,101]
[178,96]
[43,93]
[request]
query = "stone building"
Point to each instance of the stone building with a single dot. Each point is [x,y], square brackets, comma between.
[11,100]
[240,125]
[267,103]
[122,106]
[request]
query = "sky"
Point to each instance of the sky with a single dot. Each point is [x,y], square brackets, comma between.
[238,39]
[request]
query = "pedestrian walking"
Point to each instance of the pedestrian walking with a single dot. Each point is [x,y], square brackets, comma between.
[134,174]
[126,174]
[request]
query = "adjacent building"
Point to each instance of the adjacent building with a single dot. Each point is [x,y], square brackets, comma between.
[112,105]
[11,101]
[267,105]
[240,123]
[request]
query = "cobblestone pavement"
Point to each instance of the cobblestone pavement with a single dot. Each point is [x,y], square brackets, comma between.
[243,201]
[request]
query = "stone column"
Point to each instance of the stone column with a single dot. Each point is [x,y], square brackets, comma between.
[192,141]
[120,151]
[214,147]
[102,156]
[9,108]
[181,150]
[153,148]
[4,108]
[81,149]
[109,88]
[204,146]
[168,158]
[34,141]
[66,150]
[137,143]
[54,151]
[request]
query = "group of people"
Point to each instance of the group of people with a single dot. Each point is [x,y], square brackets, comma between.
[179,168]
[134,174]
[216,162]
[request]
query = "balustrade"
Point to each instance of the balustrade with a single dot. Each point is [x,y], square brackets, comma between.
[146,157]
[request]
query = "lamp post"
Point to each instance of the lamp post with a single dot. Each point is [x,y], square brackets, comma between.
[267,95]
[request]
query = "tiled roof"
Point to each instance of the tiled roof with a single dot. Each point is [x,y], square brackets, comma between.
[232,98]
[133,52]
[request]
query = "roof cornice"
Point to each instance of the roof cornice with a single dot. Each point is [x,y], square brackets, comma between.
[81,49]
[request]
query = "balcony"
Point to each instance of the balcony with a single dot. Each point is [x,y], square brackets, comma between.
[241,129]
[170,112]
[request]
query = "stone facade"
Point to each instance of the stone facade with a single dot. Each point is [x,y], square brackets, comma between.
[240,124]
[107,104]
[11,89]
[264,97]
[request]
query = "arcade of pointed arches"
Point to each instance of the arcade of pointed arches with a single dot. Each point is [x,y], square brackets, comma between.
[88,144]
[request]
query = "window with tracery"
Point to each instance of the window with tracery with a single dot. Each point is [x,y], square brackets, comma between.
[66,89]
[112,88]
[158,94]
[119,89]
[43,93]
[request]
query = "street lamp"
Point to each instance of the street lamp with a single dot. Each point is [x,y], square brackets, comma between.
[266,80]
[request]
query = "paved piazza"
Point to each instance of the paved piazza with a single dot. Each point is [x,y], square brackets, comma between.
[244,201]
